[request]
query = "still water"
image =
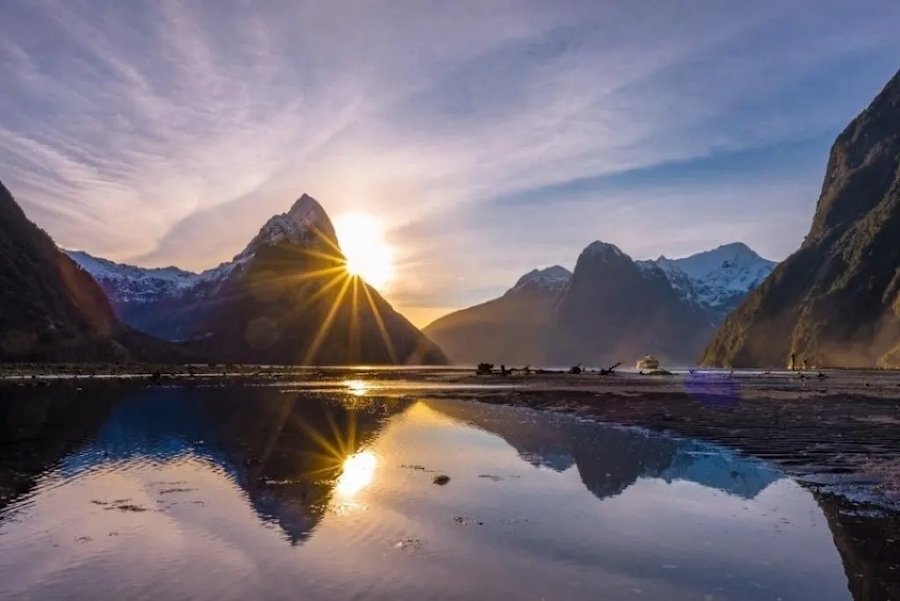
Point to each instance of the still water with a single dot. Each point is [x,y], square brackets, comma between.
[258,493]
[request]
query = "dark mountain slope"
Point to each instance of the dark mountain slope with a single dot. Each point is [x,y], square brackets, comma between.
[616,310]
[512,329]
[836,301]
[51,309]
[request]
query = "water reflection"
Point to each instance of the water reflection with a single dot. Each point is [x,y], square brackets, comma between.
[288,454]
[610,459]
[357,472]
[108,491]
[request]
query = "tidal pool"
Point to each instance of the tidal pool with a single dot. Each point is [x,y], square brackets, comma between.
[233,492]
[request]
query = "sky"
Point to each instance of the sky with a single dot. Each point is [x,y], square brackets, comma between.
[488,138]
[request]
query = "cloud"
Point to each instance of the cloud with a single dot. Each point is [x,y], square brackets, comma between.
[489,136]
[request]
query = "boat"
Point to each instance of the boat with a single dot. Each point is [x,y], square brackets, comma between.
[647,363]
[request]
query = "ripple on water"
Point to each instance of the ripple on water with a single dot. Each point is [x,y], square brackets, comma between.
[259,493]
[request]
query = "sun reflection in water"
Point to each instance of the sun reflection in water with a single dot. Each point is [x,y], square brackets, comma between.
[357,387]
[358,472]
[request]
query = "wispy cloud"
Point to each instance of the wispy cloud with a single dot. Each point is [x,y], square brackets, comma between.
[491,137]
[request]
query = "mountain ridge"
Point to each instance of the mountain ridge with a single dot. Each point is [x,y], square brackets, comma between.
[518,328]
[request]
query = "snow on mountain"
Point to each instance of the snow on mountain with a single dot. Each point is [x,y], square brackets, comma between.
[551,279]
[128,283]
[125,283]
[305,223]
[716,279]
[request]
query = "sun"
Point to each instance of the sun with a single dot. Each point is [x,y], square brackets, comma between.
[368,254]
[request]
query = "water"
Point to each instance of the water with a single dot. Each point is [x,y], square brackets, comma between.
[235,492]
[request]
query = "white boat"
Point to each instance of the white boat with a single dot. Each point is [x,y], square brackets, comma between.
[647,363]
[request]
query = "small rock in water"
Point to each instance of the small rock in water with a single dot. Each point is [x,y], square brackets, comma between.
[441,480]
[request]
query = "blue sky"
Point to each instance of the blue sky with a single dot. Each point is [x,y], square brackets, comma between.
[489,137]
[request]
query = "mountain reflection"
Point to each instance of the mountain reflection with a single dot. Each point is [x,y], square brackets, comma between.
[289,452]
[295,453]
[610,459]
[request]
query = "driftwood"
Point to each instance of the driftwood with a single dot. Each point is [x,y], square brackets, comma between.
[610,370]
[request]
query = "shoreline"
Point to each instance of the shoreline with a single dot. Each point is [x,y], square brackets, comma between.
[840,431]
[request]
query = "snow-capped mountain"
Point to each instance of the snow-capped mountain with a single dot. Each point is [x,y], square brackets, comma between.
[717,279]
[552,279]
[612,308]
[275,302]
[129,283]
[303,224]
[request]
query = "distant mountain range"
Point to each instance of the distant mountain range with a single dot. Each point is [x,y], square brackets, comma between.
[836,301]
[287,298]
[610,309]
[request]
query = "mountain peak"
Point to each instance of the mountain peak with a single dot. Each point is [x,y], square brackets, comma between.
[726,256]
[307,208]
[602,249]
[306,223]
[716,279]
[551,278]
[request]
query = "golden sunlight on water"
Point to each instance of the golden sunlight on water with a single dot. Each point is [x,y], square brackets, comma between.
[358,472]
[357,387]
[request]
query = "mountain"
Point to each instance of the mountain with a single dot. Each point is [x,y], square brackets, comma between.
[615,310]
[285,298]
[836,301]
[50,310]
[718,279]
[161,301]
[512,329]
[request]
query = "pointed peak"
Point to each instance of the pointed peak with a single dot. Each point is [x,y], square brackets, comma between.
[305,204]
[305,223]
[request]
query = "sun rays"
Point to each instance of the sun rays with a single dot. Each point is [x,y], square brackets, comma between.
[350,301]
[368,253]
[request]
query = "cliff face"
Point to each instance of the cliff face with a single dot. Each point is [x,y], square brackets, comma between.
[51,309]
[836,301]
